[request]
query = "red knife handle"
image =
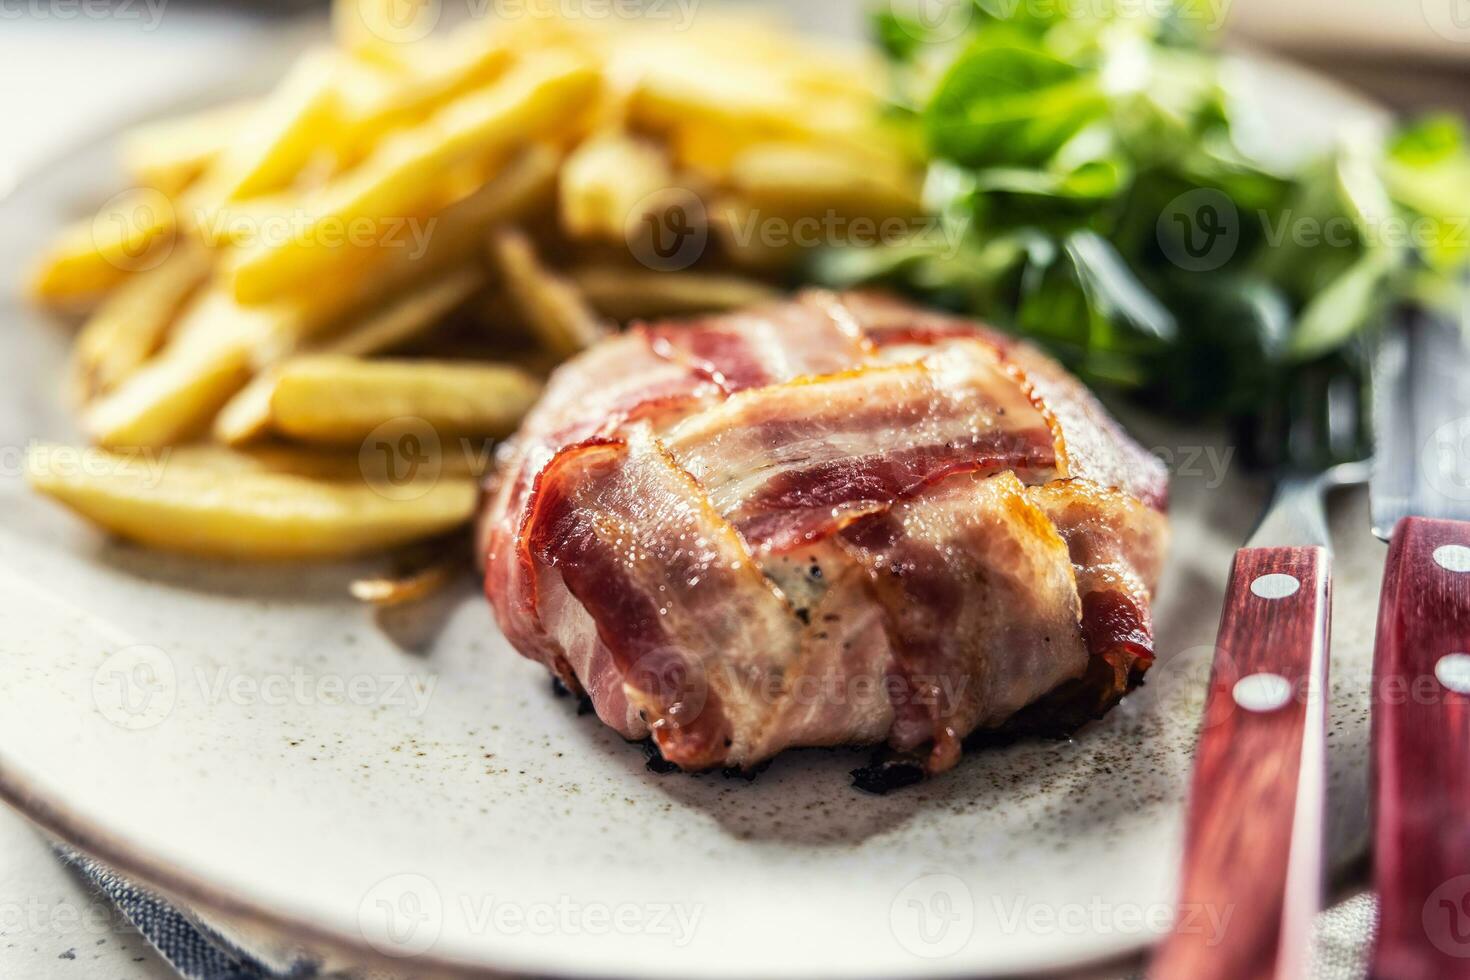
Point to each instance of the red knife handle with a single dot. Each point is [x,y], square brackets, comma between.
[1253,842]
[1421,754]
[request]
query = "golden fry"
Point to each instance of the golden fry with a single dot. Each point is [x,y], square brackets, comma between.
[208,359]
[436,71]
[171,154]
[798,179]
[552,306]
[677,83]
[134,232]
[396,182]
[525,187]
[247,415]
[282,134]
[606,182]
[343,399]
[629,294]
[132,323]
[168,500]
[386,590]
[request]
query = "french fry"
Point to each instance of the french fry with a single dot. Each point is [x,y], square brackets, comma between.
[538,96]
[433,73]
[709,148]
[453,237]
[281,134]
[541,94]
[525,187]
[171,398]
[606,181]
[790,177]
[133,322]
[442,147]
[726,85]
[397,590]
[553,307]
[409,317]
[208,359]
[247,416]
[319,462]
[132,233]
[342,399]
[172,502]
[678,82]
[171,154]
[629,294]
[217,345]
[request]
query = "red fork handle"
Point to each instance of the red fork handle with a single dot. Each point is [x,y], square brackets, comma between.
[1253,842]
[1421,755]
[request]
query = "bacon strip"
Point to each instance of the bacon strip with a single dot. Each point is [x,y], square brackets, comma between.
[980,604]
[700,636]
[649,373]
[1117,544]
[1097,448]
[764,346]
[619,381]
[791,464]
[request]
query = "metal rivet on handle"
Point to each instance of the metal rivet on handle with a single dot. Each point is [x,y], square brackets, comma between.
[1275,586]
[1453,557]
[1262,692]
[1453,671]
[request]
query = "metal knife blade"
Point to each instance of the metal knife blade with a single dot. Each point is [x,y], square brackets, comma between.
[1421,422]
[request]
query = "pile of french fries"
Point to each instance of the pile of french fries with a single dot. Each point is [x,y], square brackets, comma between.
[315,310]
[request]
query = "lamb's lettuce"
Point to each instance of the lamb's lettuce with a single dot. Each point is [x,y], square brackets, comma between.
[1111,210]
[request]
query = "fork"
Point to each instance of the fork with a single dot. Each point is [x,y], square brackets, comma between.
[1253,836]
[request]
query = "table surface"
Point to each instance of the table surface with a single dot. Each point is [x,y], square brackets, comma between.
[54,927]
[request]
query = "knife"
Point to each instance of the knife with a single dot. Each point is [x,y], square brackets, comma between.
[1421,672]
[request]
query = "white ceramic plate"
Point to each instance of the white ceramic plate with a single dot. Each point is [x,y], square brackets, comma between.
[251,740]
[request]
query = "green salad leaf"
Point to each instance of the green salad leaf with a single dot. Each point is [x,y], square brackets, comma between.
[1115,203]
[1008,102]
